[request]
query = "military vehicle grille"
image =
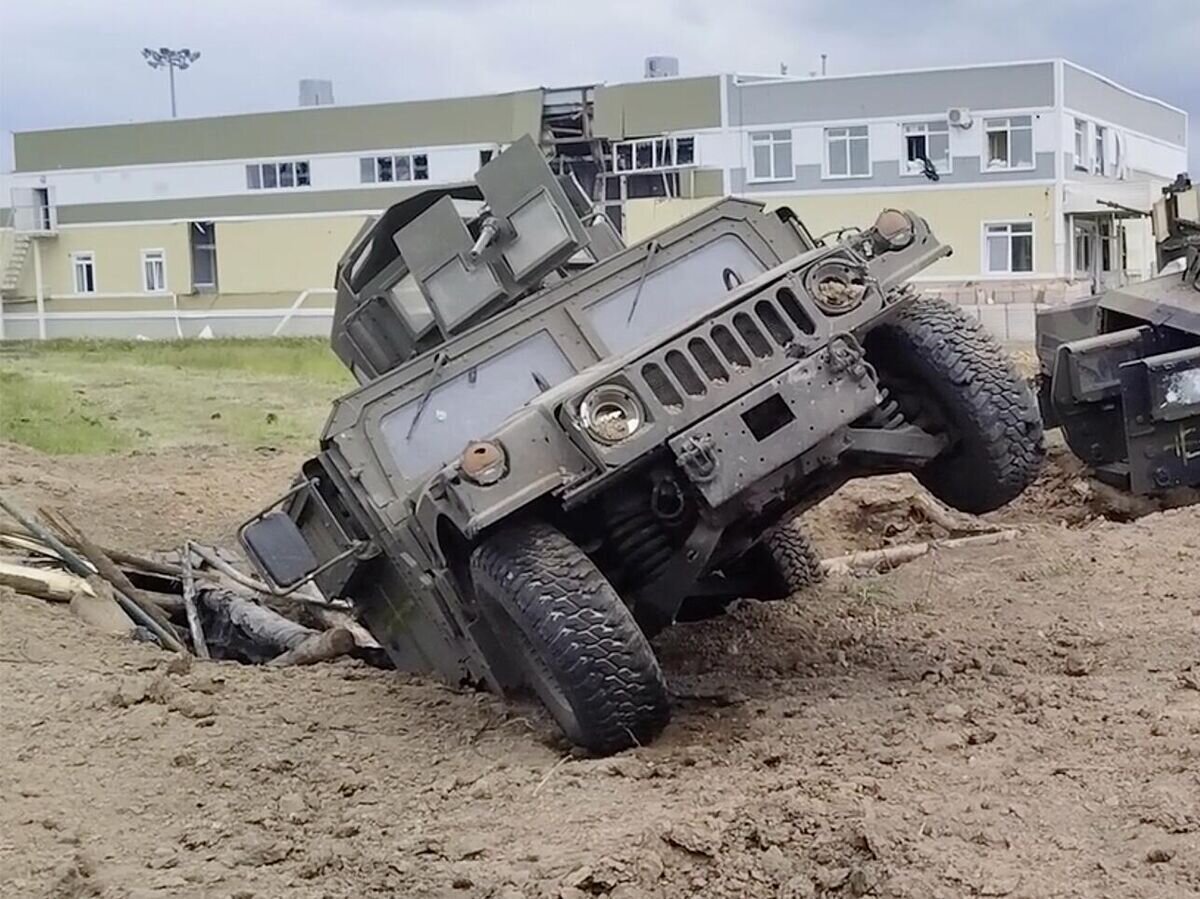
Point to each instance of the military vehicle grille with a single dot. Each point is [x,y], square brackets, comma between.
[727,348]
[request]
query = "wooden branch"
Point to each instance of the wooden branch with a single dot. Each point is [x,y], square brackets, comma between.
[324,646]
[893,556]
[79,567]
[210,556]
[108,570]
[199,646]
[44,583]
[15,536]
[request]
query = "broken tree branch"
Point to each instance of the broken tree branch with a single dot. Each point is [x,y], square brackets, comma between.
[199,646]
[893,556]
[108,570]
[12,535]
[210,556]
[47,584]
[79,567]
[322,647]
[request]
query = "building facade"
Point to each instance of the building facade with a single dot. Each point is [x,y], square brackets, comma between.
[1036,173]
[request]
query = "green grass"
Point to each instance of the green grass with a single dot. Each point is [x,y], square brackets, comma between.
[308,358]
[50,417]
[109,396]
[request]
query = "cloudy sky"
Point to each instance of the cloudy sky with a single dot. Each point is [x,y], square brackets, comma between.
[74,62]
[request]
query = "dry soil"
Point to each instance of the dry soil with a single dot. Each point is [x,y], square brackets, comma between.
[1013,720]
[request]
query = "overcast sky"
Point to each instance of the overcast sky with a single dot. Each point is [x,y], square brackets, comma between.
[76,62]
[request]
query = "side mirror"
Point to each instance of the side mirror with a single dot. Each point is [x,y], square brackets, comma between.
[279,550]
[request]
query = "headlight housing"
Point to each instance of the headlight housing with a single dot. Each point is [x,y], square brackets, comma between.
[611,413]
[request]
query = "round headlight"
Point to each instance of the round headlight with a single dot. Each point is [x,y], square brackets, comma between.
[611,413]
[895,228]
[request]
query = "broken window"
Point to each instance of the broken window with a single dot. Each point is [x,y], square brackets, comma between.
[396,167]
[771,156]
[1098,152]
[650,154]
[270,175]
[926,140]
[847,152]
[1009,247]
[204,256]
[1009,143]
[1081,144]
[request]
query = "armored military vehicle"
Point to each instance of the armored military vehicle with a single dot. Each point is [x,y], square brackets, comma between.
[1120,371]
[561,445]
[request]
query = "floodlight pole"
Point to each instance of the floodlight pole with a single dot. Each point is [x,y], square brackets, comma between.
[172,60]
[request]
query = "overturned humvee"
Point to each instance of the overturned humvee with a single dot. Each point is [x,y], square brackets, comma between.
[1120,371]
[561,445]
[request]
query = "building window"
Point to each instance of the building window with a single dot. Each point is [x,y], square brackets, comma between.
[650,154]
[1081,144]
[1009,247]
[847,152]
[386,169]
[926,140]
[1083,251]
[154,271]
[83,266]
[204,256]
[771,156]
[1009,143]
[271,175]
[1098,150]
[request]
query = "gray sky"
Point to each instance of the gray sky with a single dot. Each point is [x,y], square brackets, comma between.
[76,62]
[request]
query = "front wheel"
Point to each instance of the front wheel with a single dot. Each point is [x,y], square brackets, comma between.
[582,652]
[951,376]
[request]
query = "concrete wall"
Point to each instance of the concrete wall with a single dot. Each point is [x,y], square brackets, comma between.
[327,129]
[932,92]
[1096,96]
[264,255]
[956,217]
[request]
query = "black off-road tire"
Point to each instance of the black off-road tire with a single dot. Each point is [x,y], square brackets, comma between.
[586,658]
[795,562]
[936,349]
[783,563]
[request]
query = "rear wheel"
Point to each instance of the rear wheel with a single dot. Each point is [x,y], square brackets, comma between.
[583,654]
[950,376]
[783,563]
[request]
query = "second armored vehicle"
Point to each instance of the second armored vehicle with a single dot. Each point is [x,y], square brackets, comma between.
[1121,369]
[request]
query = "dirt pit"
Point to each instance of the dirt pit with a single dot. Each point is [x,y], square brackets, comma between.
[1017,720]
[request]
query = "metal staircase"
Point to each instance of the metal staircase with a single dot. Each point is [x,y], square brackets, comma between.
[14,266]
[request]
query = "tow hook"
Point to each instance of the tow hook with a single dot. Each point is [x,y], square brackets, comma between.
[697,458]
[845,355]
